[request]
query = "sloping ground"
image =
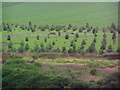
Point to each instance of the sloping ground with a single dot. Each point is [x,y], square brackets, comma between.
[71,67]
[50,73]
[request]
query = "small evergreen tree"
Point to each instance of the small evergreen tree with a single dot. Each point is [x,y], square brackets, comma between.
[45,39]
[21,49]
[8,37]
[26,39]
[87,25]
[59,33]
[110,49]
[30,24]
[38,37]
[53,43]
[27,47]
[36,48]
[67,36]
[77,35]
[70,50]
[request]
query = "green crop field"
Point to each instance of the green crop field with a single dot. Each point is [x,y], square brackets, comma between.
[97,14]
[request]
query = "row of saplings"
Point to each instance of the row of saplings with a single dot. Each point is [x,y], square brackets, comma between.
[73,49]
[49,48]
[33,28]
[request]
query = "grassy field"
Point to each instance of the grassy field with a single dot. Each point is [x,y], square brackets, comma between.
[79,68]
[77,14]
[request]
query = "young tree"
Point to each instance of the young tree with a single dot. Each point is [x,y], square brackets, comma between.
[48,36]
[80,30]
[26,39]
[10,47]
[83,42]
[104,30]
[38,37]
[27,47]
[36,48]
[87,25]
[67,36]
[69,26]
[43,29]
[74,49]
[72,43]
[111,30]
[104,35]
[32,30]
[59,33]
[110,49]
[114,36]
[95,35]
[75,39]
[94,40]
[114,26]
[91,48]
[81,49]
[70,50]
[89,29]
[77,35]
[21,49]
[74,28]
[30,24]
[50,47]
[8,37]
[58,50]
[53,43]
[101,51]
[45,39]
[22,43]
[64,50]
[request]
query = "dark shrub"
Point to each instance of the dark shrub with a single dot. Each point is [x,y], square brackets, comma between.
[110,81]
[93,72]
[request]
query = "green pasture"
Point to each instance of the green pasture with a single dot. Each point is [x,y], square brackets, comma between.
[61,13]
